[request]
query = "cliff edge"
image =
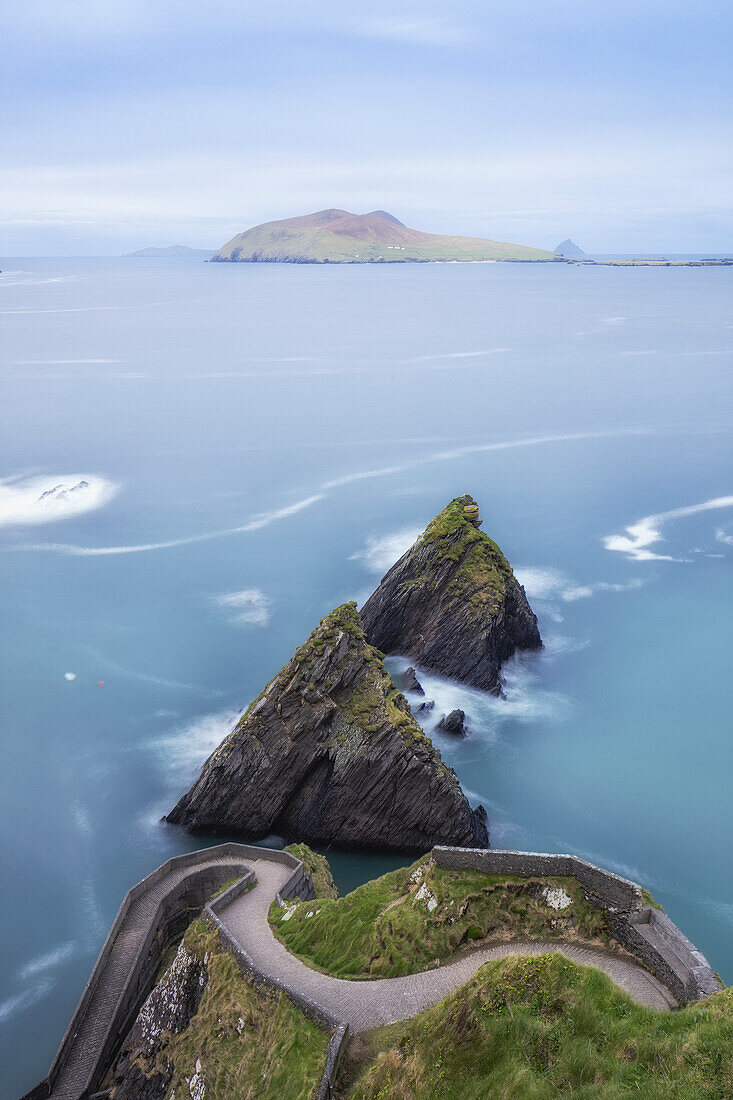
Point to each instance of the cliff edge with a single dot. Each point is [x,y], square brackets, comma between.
[330,754]
[452,602]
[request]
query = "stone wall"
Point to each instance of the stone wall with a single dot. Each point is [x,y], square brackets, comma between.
[644,931]
[300,886]
[175,911]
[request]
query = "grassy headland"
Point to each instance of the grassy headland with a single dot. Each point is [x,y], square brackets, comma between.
[416,917]
[251,1043]
[542,1027]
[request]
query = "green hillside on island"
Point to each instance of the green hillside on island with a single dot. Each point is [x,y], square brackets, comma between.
[338,237]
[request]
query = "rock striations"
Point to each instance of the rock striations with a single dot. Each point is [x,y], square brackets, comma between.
[452,603]
[329,753]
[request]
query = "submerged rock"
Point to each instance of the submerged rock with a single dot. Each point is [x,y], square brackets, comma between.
[408,681]
[330,754]
[452,602]
[426,707]
[454,723]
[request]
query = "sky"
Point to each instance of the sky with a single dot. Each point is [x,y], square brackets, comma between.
[127,123]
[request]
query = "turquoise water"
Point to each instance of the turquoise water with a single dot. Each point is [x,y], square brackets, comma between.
[260,442]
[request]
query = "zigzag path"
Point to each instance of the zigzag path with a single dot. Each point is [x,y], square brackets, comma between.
[371,1003]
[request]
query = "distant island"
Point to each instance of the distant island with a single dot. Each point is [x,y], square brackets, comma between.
[171,250]
[338,237]
[570,250]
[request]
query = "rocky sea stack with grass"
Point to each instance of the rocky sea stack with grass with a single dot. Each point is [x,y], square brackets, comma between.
[452,603]
[330,754]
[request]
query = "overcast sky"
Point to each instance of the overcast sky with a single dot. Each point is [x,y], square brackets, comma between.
[133,122]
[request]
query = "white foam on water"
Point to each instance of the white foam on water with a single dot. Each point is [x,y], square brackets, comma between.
[183,751]
[250,606]
[262,519]
[455,355]
[60,362]
[36,500]
[546,583]
[266,518]
[382,551]
[21,1001]
[523,700]
[81,818]
[47,961]
[647,531]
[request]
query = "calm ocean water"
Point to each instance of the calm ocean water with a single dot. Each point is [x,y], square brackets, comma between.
[260,443]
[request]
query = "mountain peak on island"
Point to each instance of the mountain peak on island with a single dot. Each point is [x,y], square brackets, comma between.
[338,236]
[570,250]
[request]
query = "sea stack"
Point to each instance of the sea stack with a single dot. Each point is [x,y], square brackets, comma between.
[452,603]
[330,754]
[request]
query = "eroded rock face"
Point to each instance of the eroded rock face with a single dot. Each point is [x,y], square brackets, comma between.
[139,1072]
[452,603]
[330,754]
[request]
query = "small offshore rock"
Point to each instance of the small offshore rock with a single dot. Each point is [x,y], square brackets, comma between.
[408,681]
[426,707]
[454,723]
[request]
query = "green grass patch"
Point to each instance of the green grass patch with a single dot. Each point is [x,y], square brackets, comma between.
[417,917]
[319,869]
[484,572]
[649,900]
[251,1043]
[541,1027]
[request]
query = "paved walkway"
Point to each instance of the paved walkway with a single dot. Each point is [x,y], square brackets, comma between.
[365,1004]
[94,1025]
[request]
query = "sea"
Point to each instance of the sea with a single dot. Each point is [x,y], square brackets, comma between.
[198,461]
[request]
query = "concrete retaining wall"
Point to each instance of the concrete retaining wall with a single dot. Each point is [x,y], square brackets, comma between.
[298,885]
[169,921]
[646,932]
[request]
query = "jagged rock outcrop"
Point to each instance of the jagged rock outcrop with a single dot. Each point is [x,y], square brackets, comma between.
[141,1070]
[408,681]
[453,723]
[330,754]
[452,603]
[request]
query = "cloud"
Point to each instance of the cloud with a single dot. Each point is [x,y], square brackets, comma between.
[648,530]
[69,676]
[382,551]
[36,500]
[250,606]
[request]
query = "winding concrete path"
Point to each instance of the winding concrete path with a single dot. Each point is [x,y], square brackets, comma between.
[92,1028]
[371,1003]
